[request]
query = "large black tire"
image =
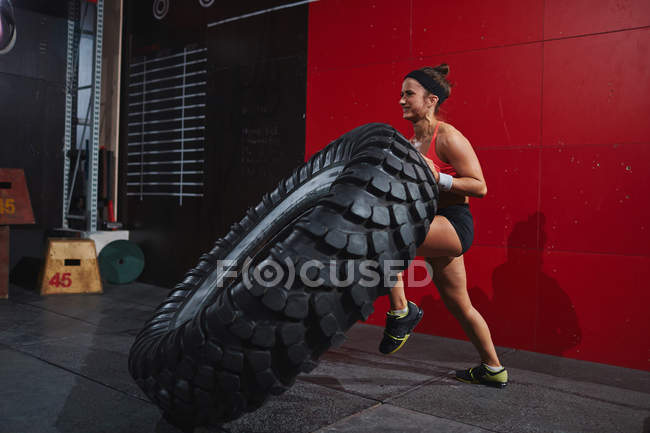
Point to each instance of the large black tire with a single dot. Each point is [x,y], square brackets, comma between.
[219,345]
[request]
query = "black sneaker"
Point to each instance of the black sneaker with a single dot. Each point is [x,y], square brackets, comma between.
[483,376]
[398,329]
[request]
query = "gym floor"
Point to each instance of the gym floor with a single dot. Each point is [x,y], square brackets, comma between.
[63,368]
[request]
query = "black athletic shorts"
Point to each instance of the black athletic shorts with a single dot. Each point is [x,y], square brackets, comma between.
[461,218]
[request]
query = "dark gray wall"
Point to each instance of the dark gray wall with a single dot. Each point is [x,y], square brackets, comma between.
[32,108]
[254,127]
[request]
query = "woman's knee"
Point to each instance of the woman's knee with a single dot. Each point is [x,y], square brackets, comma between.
[459,308]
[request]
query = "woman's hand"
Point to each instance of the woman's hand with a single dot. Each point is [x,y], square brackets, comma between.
[433,167]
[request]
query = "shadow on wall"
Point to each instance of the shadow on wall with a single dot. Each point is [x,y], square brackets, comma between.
[528,310]
[521,282]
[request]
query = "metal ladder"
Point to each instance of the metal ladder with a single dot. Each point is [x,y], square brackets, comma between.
[76,31]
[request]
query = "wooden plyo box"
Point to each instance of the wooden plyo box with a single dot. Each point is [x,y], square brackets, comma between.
[15,208]
[70,267]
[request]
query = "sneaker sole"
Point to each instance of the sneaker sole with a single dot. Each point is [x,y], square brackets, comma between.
[498,385]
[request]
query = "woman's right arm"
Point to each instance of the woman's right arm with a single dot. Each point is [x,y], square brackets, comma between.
[458,151]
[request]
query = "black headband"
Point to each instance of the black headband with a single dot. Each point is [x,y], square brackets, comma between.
[428,83]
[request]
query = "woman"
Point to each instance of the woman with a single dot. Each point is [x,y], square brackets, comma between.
[458,173]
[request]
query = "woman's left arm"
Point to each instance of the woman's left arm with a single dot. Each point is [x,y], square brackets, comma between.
[457,150]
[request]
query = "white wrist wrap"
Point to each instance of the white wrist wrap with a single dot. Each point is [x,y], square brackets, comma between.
[445,181]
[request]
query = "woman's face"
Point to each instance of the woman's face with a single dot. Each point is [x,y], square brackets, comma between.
[416,102]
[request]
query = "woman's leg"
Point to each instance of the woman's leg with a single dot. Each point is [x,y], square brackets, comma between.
[397,296]
[450,279]
[441,240]
[399,324]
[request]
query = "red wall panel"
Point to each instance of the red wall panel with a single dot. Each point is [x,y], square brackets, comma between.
[341,99]
[346,33]
[610,298]
[502,284]
[595,198]
[498,103]
[578,17]
[596,89]
[443,27]
[561,255]
[512,178]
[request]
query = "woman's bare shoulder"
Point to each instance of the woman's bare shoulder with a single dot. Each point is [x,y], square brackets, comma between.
[450,136]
